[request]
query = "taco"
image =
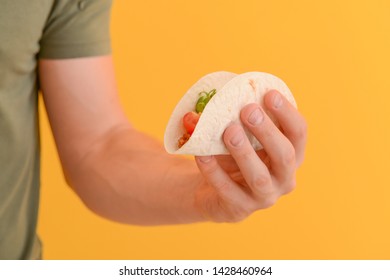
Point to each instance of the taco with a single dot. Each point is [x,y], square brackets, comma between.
[199,120]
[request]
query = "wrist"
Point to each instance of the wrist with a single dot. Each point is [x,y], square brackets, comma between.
[186,182]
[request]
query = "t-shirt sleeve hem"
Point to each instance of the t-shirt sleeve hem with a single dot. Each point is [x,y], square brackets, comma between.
[60,51]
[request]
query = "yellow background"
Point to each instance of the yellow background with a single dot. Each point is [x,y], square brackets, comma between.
[335,57]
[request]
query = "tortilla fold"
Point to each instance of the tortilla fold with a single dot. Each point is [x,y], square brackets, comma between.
[233,93]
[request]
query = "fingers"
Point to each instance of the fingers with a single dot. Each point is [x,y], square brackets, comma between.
[254,171]
[215,176]
[279,149]
[283,149]
[291,121]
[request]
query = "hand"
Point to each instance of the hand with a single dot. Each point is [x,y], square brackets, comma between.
[235,186]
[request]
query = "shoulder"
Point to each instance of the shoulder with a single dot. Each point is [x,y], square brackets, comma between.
[76,28]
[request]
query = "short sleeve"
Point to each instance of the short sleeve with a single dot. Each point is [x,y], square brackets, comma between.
[76,28]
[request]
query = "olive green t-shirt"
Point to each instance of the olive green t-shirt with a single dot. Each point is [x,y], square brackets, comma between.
[29,30]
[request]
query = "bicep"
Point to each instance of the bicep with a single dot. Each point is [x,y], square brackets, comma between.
[82,103]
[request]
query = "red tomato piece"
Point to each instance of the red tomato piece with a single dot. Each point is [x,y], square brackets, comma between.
[190,120]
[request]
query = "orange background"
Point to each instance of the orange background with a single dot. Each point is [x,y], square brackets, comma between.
[335,57]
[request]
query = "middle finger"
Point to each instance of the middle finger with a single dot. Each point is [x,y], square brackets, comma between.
[279,149]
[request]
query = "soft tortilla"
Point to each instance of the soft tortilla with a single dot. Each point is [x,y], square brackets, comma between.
[233,93]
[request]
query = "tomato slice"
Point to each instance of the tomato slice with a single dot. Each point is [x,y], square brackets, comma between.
[190,120]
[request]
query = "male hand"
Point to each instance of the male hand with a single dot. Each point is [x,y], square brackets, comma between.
[235,186]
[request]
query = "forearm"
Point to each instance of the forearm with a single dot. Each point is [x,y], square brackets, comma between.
[118,172]
[128,177]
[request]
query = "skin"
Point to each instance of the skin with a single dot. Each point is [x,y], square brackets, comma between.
[109,163]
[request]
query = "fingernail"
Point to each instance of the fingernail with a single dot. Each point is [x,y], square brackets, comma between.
[237,139]
[278,101]
[205,159]
[256,117]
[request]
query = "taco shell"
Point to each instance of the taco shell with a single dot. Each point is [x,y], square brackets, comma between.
[233,93]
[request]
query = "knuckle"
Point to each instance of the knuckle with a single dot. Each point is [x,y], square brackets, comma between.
[301,130]
[236,218]
[268,131]
[240,214]
[261,183]
[252,207]
[232,216]
[210,169]
[244,211]
[245,154]
[268,202]
[288,158]
[240,211]
[289,187]
[222,186]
